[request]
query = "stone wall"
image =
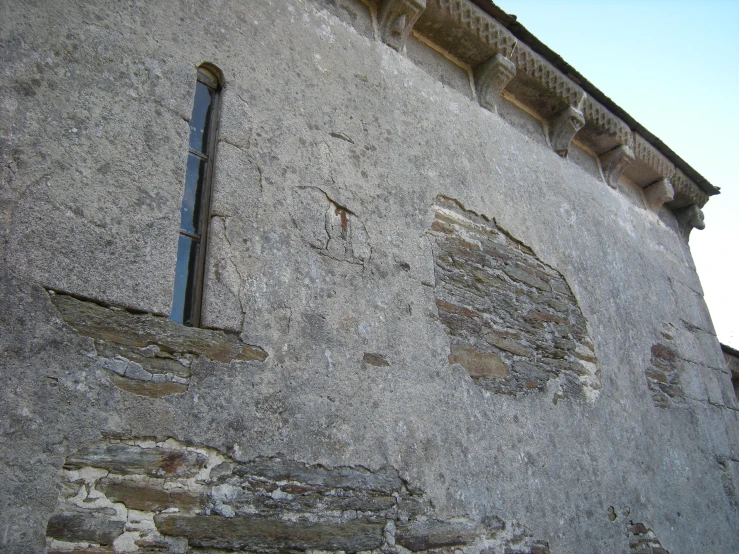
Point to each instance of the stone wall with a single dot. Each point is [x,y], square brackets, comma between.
[142,495]
[449,301]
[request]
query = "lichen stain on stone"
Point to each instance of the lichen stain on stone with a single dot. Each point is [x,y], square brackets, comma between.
[139,495]
[513,322]
[146,354]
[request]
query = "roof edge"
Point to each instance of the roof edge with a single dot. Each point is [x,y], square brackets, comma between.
[511,23]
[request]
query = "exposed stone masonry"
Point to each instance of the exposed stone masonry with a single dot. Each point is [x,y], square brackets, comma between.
[146,354]
[642,540]
[513,321]
[663,376]
[139,495]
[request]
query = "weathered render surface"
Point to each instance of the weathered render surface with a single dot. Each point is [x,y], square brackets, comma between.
[429,324]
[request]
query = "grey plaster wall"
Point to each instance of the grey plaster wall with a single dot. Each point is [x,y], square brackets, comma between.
[320,119]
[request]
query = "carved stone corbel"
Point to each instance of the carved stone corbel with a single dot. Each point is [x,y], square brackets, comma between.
[688,219]
[614,162]
[658,193]
[491,77]
[564,128]
[396,19]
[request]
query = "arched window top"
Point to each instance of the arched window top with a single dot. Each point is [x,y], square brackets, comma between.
[210,75]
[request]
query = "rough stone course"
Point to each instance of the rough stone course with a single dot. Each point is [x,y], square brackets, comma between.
[176,498]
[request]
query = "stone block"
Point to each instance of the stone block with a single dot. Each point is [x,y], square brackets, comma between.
[384,480]
[433,534]
[140,330]
[693,382]
[251,533]
[125,459]
[82,527]
[396,19]
[152,389]
[564,128]
[491,78]
[693,310]
[659,193]
[236,121]
[478,364]
[146,497]
[614,162]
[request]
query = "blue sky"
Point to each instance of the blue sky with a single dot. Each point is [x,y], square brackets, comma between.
[674,66]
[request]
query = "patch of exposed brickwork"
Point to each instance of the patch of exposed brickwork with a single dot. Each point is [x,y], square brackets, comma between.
[138,495]
[514,323]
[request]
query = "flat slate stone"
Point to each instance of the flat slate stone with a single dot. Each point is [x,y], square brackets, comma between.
[125,459]
[148,388]
[384,480]
[147,498]
[430,534]
[128,329]
[255,533]
[82,527]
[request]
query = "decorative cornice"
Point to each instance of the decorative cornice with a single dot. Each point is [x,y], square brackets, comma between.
[686,192]
[652,157]
[479,34]
[539,85]
[464,30]
[396,19]
[523,35]
[650,165]
[603,131]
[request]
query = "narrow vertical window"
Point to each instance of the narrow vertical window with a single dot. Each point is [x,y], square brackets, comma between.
[188,284]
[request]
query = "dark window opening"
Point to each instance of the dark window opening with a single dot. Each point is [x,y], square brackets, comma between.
[194,217]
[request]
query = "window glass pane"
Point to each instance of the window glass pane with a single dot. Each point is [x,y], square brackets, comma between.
[200,119]
[185,271]
[194,179]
